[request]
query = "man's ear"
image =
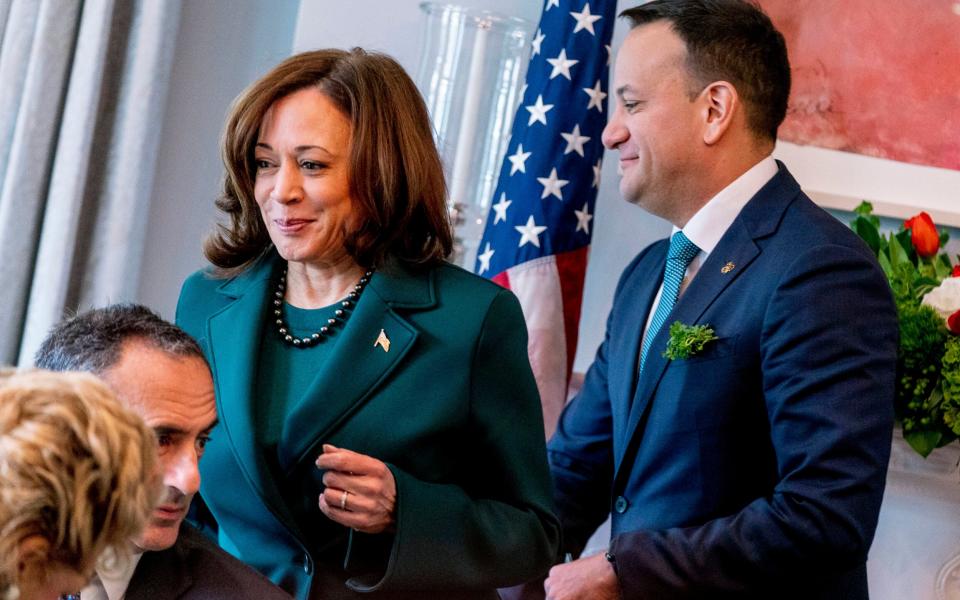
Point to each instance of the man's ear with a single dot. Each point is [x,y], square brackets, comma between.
[33,553]
[721,102]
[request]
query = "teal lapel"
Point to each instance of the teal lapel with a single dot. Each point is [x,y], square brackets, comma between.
[357,366]
[234,339]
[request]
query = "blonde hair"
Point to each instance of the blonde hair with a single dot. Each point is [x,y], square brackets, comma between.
[78,469]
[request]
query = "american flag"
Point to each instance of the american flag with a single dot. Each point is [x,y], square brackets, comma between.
[538,231]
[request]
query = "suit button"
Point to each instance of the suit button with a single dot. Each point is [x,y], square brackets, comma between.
[620,505]
[307,564]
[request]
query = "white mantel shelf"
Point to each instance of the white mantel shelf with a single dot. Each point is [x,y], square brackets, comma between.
[916,552]
[940,468]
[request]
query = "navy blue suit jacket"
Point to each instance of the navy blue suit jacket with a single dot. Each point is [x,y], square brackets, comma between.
[757,467]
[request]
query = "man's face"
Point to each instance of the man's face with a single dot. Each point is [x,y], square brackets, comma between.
[174,396]
[655,125]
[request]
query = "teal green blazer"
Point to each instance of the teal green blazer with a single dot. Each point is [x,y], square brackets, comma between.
[452,408]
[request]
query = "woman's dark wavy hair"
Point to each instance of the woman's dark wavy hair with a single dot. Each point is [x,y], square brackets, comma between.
[396,177]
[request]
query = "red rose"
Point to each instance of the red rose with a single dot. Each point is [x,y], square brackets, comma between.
[953,323]
[923,234]
[956,271]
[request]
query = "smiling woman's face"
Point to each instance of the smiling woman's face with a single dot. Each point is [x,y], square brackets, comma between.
[303,181]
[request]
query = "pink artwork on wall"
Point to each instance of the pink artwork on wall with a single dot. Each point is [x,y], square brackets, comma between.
[875,77]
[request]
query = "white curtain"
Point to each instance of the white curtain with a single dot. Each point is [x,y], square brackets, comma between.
[83,87]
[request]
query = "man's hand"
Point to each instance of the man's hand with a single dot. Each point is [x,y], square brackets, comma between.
[589,578]
[361,492]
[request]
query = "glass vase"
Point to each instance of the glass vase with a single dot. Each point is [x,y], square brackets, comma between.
[471,70]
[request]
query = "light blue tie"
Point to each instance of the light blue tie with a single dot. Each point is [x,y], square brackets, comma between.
[681,252]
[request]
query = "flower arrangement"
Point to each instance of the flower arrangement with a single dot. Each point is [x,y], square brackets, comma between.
[926,289]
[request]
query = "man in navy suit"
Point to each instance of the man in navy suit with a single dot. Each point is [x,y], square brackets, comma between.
[755,467]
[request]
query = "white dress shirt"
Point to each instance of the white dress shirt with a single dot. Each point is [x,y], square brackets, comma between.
[112,583]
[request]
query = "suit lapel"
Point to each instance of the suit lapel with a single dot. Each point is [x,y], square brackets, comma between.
[639,292]
[357,364]
[234,333]
[160,575]
[759,218]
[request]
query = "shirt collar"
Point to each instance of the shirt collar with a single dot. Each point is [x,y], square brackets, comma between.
[116,580]
[708,225]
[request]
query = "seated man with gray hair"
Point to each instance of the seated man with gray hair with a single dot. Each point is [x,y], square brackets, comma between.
[159,372]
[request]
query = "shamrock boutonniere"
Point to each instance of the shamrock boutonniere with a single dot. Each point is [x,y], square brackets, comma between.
[688,340]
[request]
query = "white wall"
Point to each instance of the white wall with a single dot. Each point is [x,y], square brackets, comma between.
[391,26]
[222,46]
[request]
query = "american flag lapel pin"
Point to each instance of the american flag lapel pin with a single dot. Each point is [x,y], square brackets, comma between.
[383,341]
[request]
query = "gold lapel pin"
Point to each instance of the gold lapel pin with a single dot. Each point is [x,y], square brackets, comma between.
[383,341]
[727,268]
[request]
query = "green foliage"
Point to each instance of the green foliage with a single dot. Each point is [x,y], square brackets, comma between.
[925,441]
[927,401]
[687,340]
[923,336]
[950,372]
[919,395]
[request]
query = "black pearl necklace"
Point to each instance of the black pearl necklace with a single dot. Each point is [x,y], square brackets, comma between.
[340,315]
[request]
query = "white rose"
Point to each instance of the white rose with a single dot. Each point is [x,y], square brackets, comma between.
[944,299]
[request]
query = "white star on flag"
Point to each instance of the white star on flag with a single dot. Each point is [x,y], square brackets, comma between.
[583,219]
[575,141]
[597,96]
[518,160]
[596,172]
[538,111]
[551,4]
[561,64]
[500,208]
[485,258]
[537,40]
[585,20]
[609,51]
[530,232]
[551,185]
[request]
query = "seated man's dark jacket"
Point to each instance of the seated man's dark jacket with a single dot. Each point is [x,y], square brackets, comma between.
[195,568]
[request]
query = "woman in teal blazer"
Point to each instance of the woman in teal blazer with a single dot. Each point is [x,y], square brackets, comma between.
[380,430]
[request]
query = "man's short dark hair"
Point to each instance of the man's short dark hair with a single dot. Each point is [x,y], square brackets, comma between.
[730,40]
[92,341]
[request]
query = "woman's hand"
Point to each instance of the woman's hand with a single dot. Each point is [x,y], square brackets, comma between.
[361,491]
